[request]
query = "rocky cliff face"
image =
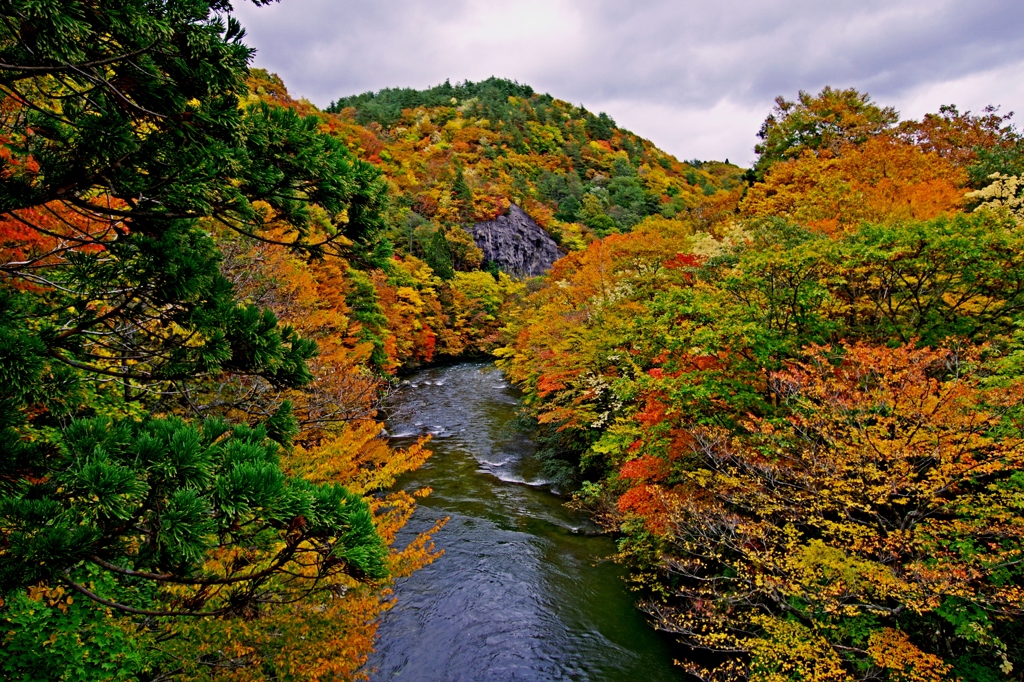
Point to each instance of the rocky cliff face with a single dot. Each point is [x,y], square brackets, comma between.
[518,245]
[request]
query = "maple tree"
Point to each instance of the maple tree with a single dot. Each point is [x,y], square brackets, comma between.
[836,159]
[846,522]
[981,144]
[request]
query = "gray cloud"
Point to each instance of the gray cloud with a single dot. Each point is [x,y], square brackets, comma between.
[695,77]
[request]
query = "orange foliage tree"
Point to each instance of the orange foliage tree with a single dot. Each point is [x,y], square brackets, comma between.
[827,122]
[881,180]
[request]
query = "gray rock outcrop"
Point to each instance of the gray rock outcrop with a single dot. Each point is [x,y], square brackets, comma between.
[516,244]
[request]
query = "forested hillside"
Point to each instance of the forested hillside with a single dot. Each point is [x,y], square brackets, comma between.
[793,394]
[192,353]
[456,155]
[206,289]
[461,153]
[805,423]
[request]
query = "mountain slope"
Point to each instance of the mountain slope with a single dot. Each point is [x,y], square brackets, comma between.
[455,156]
[459,154]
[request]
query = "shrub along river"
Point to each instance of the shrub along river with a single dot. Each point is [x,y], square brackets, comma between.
[525,589]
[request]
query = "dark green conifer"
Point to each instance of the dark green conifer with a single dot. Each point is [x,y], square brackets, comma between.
[124,147]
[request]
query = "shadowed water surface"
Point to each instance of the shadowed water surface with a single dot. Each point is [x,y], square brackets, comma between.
[523,591]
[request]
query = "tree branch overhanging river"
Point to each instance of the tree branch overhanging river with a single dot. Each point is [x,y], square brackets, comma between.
[525,589]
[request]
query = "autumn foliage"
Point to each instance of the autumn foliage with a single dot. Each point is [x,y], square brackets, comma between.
[853,510]
[804,424]
[796,394]
[882,180]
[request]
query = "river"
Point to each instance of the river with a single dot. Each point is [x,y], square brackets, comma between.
[525,589]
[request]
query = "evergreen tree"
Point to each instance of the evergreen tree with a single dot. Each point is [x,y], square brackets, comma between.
[122,145]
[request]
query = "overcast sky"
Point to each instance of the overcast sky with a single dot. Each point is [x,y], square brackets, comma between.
[696,78]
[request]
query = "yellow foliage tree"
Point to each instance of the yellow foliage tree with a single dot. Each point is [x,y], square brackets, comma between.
[880,522]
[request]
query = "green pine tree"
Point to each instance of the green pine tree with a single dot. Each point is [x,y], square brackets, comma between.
[124,145]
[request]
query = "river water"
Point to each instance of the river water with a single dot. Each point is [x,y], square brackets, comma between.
[525,590]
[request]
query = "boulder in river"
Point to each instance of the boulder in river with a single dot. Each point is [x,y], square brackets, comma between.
[516,244]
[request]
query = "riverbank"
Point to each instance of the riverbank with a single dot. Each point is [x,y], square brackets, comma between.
[525,590]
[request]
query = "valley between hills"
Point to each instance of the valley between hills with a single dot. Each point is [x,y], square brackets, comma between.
[264,366]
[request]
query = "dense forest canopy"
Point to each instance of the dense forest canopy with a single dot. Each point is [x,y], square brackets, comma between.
[792,393]
[385,107]
[804,423]
[152,409]
[460,154]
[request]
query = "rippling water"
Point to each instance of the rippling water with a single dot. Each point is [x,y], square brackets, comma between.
[523,591]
